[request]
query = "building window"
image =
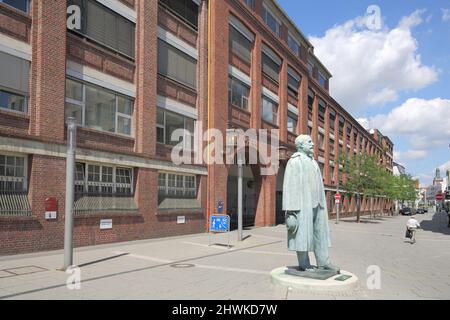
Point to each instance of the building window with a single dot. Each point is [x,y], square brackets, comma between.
[176,185]
[321,111]
[270,68]
[321,141]
[331,147]
[240,45]
[310,69]
[13,173]
[292,120]
[106,27]
[186,10]
[322,80]
[341,124]
[93,179]
[168,122]
[271,21]
[332,119]
[250,3]
[293,44]
[13,83]
[97,108]
[310,104]
[22,5]
[349,131]
[238,93]
[177,65]
[269,110]
[294,80]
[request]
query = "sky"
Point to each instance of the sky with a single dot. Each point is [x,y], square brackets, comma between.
[390,62]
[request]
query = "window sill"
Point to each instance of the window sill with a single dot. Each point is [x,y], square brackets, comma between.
[177,212]
[107,133]
[16,114]
[107,214]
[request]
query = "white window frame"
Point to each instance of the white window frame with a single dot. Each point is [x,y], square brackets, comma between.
[292,38]
[24,179]
[27,10]
[82,104]
[185,191]
[164,127]
[243,98]
[268,11]
[114,184]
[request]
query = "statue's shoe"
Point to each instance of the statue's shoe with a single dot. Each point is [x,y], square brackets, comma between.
[330,267]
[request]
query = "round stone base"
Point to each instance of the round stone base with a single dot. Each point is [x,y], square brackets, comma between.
[331,285]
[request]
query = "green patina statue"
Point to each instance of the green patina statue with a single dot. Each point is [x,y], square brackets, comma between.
[305,206]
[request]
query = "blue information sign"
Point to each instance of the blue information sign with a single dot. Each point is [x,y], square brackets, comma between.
[220,223]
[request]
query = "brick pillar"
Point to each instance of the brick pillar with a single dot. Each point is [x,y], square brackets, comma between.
[218,115]
[303,106]
[48,71]
[326,173]
[282,109]
[202,79]
[147,180]
[145,77]
[265,206]
[255,121]
[315,127]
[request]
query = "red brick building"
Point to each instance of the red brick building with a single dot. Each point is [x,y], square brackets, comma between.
[131,73]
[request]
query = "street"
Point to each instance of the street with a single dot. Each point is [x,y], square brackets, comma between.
[187,268]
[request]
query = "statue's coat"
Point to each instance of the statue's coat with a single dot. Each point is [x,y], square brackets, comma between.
[303,193]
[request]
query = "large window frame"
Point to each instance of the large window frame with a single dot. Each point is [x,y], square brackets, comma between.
[92,182]
[119,23]
[293,44]
[266,102]
[292,121]
[173,73]
[168,5]
[234,83]
[271,20]
[83,105]
[270,67]
[14,83]
[294,81]
[163,127]
[27,5]
[240,45]
[177,185]
[13,173]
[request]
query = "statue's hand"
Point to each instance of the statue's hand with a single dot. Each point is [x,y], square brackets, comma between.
[291,222]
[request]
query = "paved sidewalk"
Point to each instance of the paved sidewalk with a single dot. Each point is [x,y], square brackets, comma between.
[186,268]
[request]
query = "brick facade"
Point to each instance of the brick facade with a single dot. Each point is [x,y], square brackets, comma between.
[52,46]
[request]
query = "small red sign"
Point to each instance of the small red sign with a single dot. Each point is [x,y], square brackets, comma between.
[439,197]
[51,204]
[337,196]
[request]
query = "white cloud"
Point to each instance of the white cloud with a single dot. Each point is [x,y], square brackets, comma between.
[412,154]
[444,168]
[445,15]
[371,67]
[364,122]
[425,123]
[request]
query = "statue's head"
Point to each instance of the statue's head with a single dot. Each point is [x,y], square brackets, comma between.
[304,144]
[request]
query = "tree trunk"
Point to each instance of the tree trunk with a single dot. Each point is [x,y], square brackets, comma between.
[358,208]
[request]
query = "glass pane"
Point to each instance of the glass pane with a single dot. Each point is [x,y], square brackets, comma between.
[160,116]
[240,45]
[2,170]
[74,111]
[173,122]
[12,101]
[18,4]
[74,90]
[100,109]
[123,125]
[159,135]
[125,106]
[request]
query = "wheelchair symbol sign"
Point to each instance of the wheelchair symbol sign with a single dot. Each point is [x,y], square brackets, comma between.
[220,223]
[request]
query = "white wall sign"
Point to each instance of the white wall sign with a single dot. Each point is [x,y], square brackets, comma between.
[181,219]
[105,224]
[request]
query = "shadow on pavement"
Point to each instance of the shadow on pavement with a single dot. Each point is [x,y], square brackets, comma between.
[439,224]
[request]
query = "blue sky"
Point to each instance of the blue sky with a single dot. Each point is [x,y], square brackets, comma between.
[395,78]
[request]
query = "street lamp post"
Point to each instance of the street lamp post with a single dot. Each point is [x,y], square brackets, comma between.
[70,177]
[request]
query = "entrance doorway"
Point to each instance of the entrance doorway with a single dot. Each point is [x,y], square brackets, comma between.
[279,218]
[248,197]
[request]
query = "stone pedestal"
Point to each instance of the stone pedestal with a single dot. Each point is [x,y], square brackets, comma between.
[343,282]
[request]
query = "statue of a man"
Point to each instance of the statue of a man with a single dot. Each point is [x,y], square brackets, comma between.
[305,206]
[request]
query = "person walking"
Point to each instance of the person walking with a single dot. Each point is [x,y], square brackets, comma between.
[411,227]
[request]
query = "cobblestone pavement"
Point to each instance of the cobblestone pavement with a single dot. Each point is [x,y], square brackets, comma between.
[187,268]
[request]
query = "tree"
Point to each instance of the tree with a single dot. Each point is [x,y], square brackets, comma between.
[362,177]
